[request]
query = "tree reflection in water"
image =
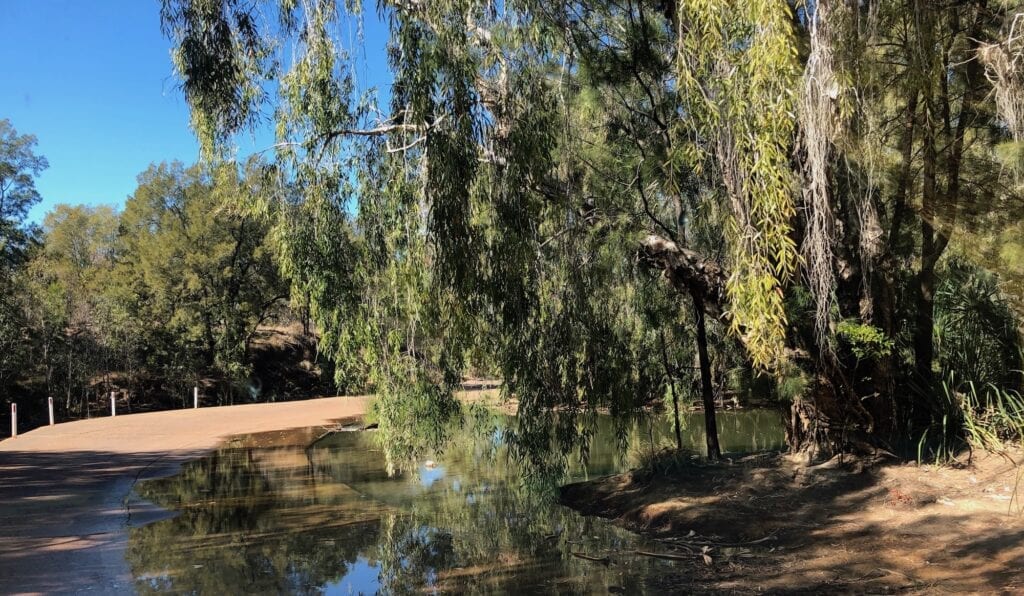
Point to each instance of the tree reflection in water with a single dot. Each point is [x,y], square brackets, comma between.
[329,518]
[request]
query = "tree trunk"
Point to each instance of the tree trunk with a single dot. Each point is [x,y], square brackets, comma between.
[924,318]
[935,234]
[884,270]
[305,316]
[924,325]
[672,388]
[826,419]
[707,393]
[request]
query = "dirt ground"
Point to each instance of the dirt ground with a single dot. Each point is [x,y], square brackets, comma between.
[64,489]
[773,525]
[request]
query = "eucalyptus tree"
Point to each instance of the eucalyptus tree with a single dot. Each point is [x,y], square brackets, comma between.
[793,171]
[195,273]
[19,167]
[472,224]
[899,146]
[67,298]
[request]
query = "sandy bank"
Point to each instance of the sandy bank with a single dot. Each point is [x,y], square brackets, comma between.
[63,489]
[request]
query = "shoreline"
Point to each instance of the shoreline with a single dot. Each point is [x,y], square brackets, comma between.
[66,489]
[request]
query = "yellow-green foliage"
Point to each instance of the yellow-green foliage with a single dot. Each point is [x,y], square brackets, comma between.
[737,68]
[496,204]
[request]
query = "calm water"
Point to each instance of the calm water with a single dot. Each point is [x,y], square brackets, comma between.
[328,519]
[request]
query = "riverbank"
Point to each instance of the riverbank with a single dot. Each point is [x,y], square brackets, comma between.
[770,524]
[764,524]
[65,488]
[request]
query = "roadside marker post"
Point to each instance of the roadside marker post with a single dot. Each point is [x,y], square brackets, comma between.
[14,421]
[50,404]
[195,397]
[113,403]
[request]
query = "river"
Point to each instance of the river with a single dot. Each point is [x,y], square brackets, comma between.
[327,518]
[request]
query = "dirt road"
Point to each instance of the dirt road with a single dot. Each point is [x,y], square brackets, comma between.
[64,508]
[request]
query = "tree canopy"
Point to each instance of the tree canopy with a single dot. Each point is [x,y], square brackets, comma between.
[608,205]
[19,167]
[171,293]
[795,171]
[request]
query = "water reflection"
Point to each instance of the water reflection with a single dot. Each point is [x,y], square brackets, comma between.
[739,431]
[328,518]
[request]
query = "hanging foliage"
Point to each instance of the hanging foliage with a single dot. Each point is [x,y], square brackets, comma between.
[737,68]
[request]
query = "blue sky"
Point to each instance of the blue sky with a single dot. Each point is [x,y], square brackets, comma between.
[93,80]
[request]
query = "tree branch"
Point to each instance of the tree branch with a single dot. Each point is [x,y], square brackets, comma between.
[688,272]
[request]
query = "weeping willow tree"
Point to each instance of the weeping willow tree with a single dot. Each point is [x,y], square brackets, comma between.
[564,185]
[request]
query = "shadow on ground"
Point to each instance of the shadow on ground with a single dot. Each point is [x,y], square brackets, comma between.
[773,526]
[63,517]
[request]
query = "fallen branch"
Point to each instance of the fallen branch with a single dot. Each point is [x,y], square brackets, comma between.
[603,560]
[698,541]
[704,556]
[669,556]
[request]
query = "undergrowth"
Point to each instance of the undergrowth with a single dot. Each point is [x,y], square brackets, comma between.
[984,417]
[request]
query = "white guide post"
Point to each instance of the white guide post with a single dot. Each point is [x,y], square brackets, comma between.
[14,421]
[50,403]
[113,403]
[195,397]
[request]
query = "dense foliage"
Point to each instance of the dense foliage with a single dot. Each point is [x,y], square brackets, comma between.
[799,173]
[19,166]
[149,302]
[610,205]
